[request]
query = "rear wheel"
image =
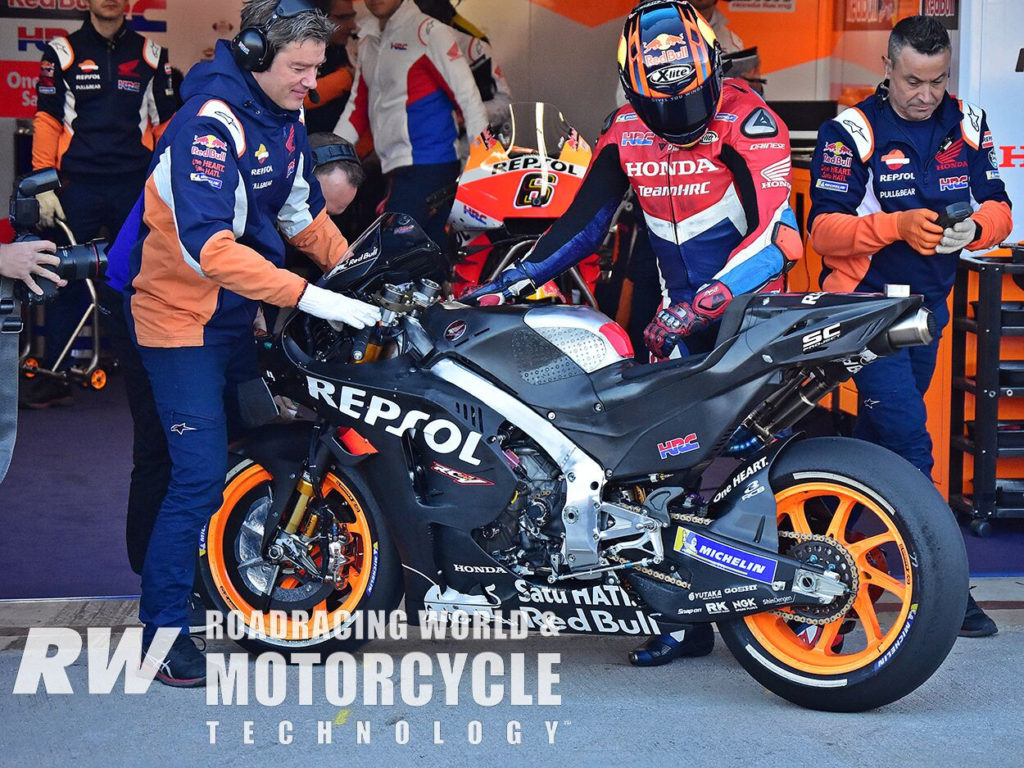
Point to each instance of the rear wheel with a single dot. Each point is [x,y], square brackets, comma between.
[880,525]
[310,613]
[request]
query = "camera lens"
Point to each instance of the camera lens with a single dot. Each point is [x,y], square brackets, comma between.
[81,261]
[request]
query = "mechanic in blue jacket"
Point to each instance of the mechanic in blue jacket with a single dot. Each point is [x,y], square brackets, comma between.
[882,171]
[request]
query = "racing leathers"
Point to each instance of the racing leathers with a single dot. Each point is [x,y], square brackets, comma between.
[231,171]
[714,211]
[871,171]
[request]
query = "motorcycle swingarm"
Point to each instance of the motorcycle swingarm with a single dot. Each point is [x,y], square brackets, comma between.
[729,579]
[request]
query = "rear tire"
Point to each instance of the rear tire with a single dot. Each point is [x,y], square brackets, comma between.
[231,538]
[912,589]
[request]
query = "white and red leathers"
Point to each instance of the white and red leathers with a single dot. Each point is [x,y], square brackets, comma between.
[410,76]
[712,209]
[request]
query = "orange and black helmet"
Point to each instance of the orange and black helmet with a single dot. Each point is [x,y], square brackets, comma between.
[671,69]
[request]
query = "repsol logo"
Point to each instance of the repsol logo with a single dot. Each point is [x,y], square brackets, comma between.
[441,435]
[674,167]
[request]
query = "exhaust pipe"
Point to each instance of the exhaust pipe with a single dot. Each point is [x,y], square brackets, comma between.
[912,330]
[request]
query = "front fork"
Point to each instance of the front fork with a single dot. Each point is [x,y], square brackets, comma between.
[291,503]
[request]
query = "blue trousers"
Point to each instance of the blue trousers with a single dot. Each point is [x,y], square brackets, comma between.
[194,389]
[891,410]
[411,185]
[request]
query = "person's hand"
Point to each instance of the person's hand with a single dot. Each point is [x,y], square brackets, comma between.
[918,229]
[50,209]
[670,326]
[508,285]
[259,323]
[23,260]
[336,308]
[958,237]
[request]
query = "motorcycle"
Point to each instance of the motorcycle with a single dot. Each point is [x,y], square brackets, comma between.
[519,178]
[501,459]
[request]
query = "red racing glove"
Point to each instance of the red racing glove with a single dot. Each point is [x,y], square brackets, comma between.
[672,324]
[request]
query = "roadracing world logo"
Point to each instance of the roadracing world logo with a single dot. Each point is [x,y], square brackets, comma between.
[370,683]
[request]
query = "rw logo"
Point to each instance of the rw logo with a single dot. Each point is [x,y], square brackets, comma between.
[679,445]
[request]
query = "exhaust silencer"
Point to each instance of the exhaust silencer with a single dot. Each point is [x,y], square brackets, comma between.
[912,330]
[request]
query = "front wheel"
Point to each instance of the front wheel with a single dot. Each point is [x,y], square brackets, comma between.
[311,614]
[880,525]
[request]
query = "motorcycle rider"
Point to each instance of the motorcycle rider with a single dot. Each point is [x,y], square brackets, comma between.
[710,165]
[232,168]
[881,172]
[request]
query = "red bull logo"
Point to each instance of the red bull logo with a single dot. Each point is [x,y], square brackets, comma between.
[664,42]
[665,48]
[210,142]
[838,148]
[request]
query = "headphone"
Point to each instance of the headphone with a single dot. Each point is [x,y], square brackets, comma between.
[334,153]
[250,47]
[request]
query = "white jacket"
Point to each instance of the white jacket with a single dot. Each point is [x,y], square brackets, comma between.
[410,76]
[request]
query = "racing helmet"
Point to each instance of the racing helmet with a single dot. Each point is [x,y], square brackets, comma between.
[671,69]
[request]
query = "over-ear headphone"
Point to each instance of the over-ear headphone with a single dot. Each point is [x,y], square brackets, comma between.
[334,153]
[250,47]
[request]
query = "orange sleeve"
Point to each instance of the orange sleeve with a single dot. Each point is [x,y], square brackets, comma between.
[321,241]
[996,224]
[46,131]
[244,271]
[843,234]
[158,130]
[331,87]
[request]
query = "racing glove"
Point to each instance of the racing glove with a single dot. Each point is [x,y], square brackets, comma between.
[510,283]
[958,236]
[672,324]
[918,229]
[336,308]
[50,209]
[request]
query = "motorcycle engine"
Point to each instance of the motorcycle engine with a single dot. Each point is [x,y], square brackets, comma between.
[530,530]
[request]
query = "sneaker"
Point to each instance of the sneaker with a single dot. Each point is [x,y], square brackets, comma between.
[196,614]
[698,640]
[43,391]
[183,667]
[977,623]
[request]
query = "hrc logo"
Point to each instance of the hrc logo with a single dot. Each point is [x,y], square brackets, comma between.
[679,445]
[38,36]
[637,139]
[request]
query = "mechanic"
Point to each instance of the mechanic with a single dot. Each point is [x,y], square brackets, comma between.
[231,169]
[410,77]
[104,95]
[710,165]
[881,172]
[334,82]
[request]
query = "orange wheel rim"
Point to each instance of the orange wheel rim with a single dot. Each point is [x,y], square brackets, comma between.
[98,380]
[361,549]
[30,365]
[816,654]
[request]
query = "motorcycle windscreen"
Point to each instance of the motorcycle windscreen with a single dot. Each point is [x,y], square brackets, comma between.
[394,249]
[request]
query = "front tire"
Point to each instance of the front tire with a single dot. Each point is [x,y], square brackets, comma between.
[910,570]
[234,577]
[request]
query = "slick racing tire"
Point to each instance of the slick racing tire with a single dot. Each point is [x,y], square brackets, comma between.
[312,616]
[878,522]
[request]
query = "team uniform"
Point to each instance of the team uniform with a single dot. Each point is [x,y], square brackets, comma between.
[231,171]
[869,164]
[711,210]
[410,77]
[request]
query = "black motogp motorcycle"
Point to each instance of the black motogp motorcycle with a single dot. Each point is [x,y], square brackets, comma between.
[515,458]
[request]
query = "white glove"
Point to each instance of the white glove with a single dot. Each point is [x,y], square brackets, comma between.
[49,209]
[958,236]
[335,307]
